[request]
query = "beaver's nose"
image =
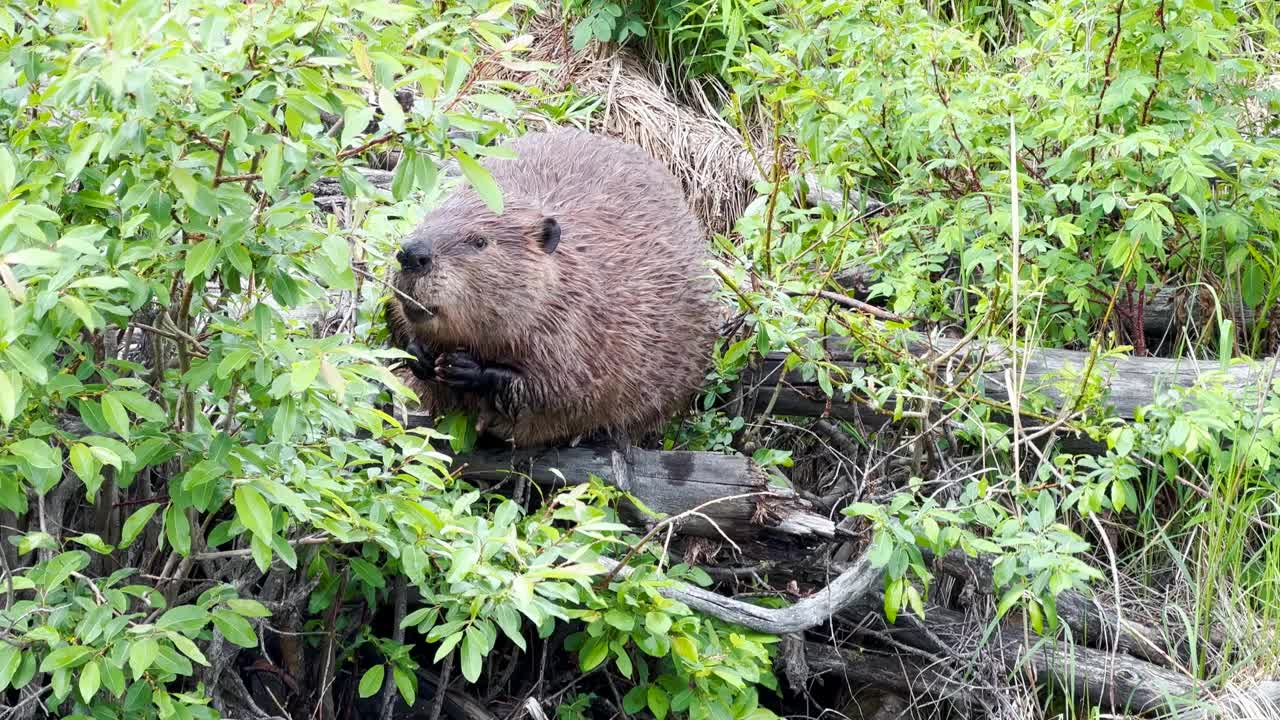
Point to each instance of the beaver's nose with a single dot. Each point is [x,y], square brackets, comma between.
[415,257]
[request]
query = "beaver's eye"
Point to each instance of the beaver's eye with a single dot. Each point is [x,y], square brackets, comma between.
[478,241]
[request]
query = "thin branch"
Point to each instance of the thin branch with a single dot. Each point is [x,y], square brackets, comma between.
[245,552]
[850,303]
[369,145]
[846,590]
[247,177]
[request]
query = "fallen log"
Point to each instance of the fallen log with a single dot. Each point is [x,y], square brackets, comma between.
[1168,310]
[713,495]
[1128,382]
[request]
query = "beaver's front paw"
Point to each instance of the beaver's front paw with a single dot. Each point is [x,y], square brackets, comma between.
[459,370]
[422,365]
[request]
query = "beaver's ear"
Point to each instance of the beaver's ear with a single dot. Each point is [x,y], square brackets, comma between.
[549,236]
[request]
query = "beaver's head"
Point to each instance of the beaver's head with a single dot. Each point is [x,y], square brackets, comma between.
[472,278]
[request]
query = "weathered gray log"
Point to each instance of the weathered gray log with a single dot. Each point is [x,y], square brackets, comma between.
[1118,683]
[1128,383]
[1089,624]
[718,496]
[1167,310]
[901,673]
[1110,680]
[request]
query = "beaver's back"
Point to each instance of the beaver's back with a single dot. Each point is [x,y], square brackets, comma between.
[580,175]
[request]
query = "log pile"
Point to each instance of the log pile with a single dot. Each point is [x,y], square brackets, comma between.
[1119,663]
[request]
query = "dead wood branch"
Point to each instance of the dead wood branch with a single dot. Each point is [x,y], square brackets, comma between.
[670,483]
[850,587]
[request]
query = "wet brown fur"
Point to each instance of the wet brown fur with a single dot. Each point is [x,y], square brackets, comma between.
[611,331]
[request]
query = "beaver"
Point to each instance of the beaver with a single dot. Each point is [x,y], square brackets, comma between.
[585,308]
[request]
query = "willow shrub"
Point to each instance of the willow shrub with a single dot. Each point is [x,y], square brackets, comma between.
[1146,157]
[171,435]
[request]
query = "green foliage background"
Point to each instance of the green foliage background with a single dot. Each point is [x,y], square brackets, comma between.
[162,400]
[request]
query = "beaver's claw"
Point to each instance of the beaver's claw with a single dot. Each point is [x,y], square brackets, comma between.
[422,365]
[461,370]
[458,369]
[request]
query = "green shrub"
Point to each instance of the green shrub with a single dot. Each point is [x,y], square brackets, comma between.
[176,443]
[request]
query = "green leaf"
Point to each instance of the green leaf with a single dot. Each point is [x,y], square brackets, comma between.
[101,282]
[446,645]
[199,258]
[472,654]
[90,681]
[94,542]
[8,173]
[36,452]
[233,361]
[623,621]
[893,598]
[354,121]
[140,406]
[593,652]
[186,184]
[406,684]
[272,164]
[142,655]
[8,399]
[463,561]
[81,148]
[136,522]
[26,364]
[248,607]
[283,424]
[114,413]
[634,701]
[186,619]
[659,703]
[509,620]
[684,648]
[394,13]
[253,511]
[177,530]
[10,660]
[500,104]
[657,623]
[481,180]
[235,628]
[68,656]
[622,660]
[34,257]
[371,682]
[188,648]
[391,110]
[303,374]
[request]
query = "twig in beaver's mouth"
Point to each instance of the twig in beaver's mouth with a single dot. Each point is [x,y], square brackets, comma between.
[403,295]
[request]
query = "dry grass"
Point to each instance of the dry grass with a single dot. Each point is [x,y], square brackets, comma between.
[680,128]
